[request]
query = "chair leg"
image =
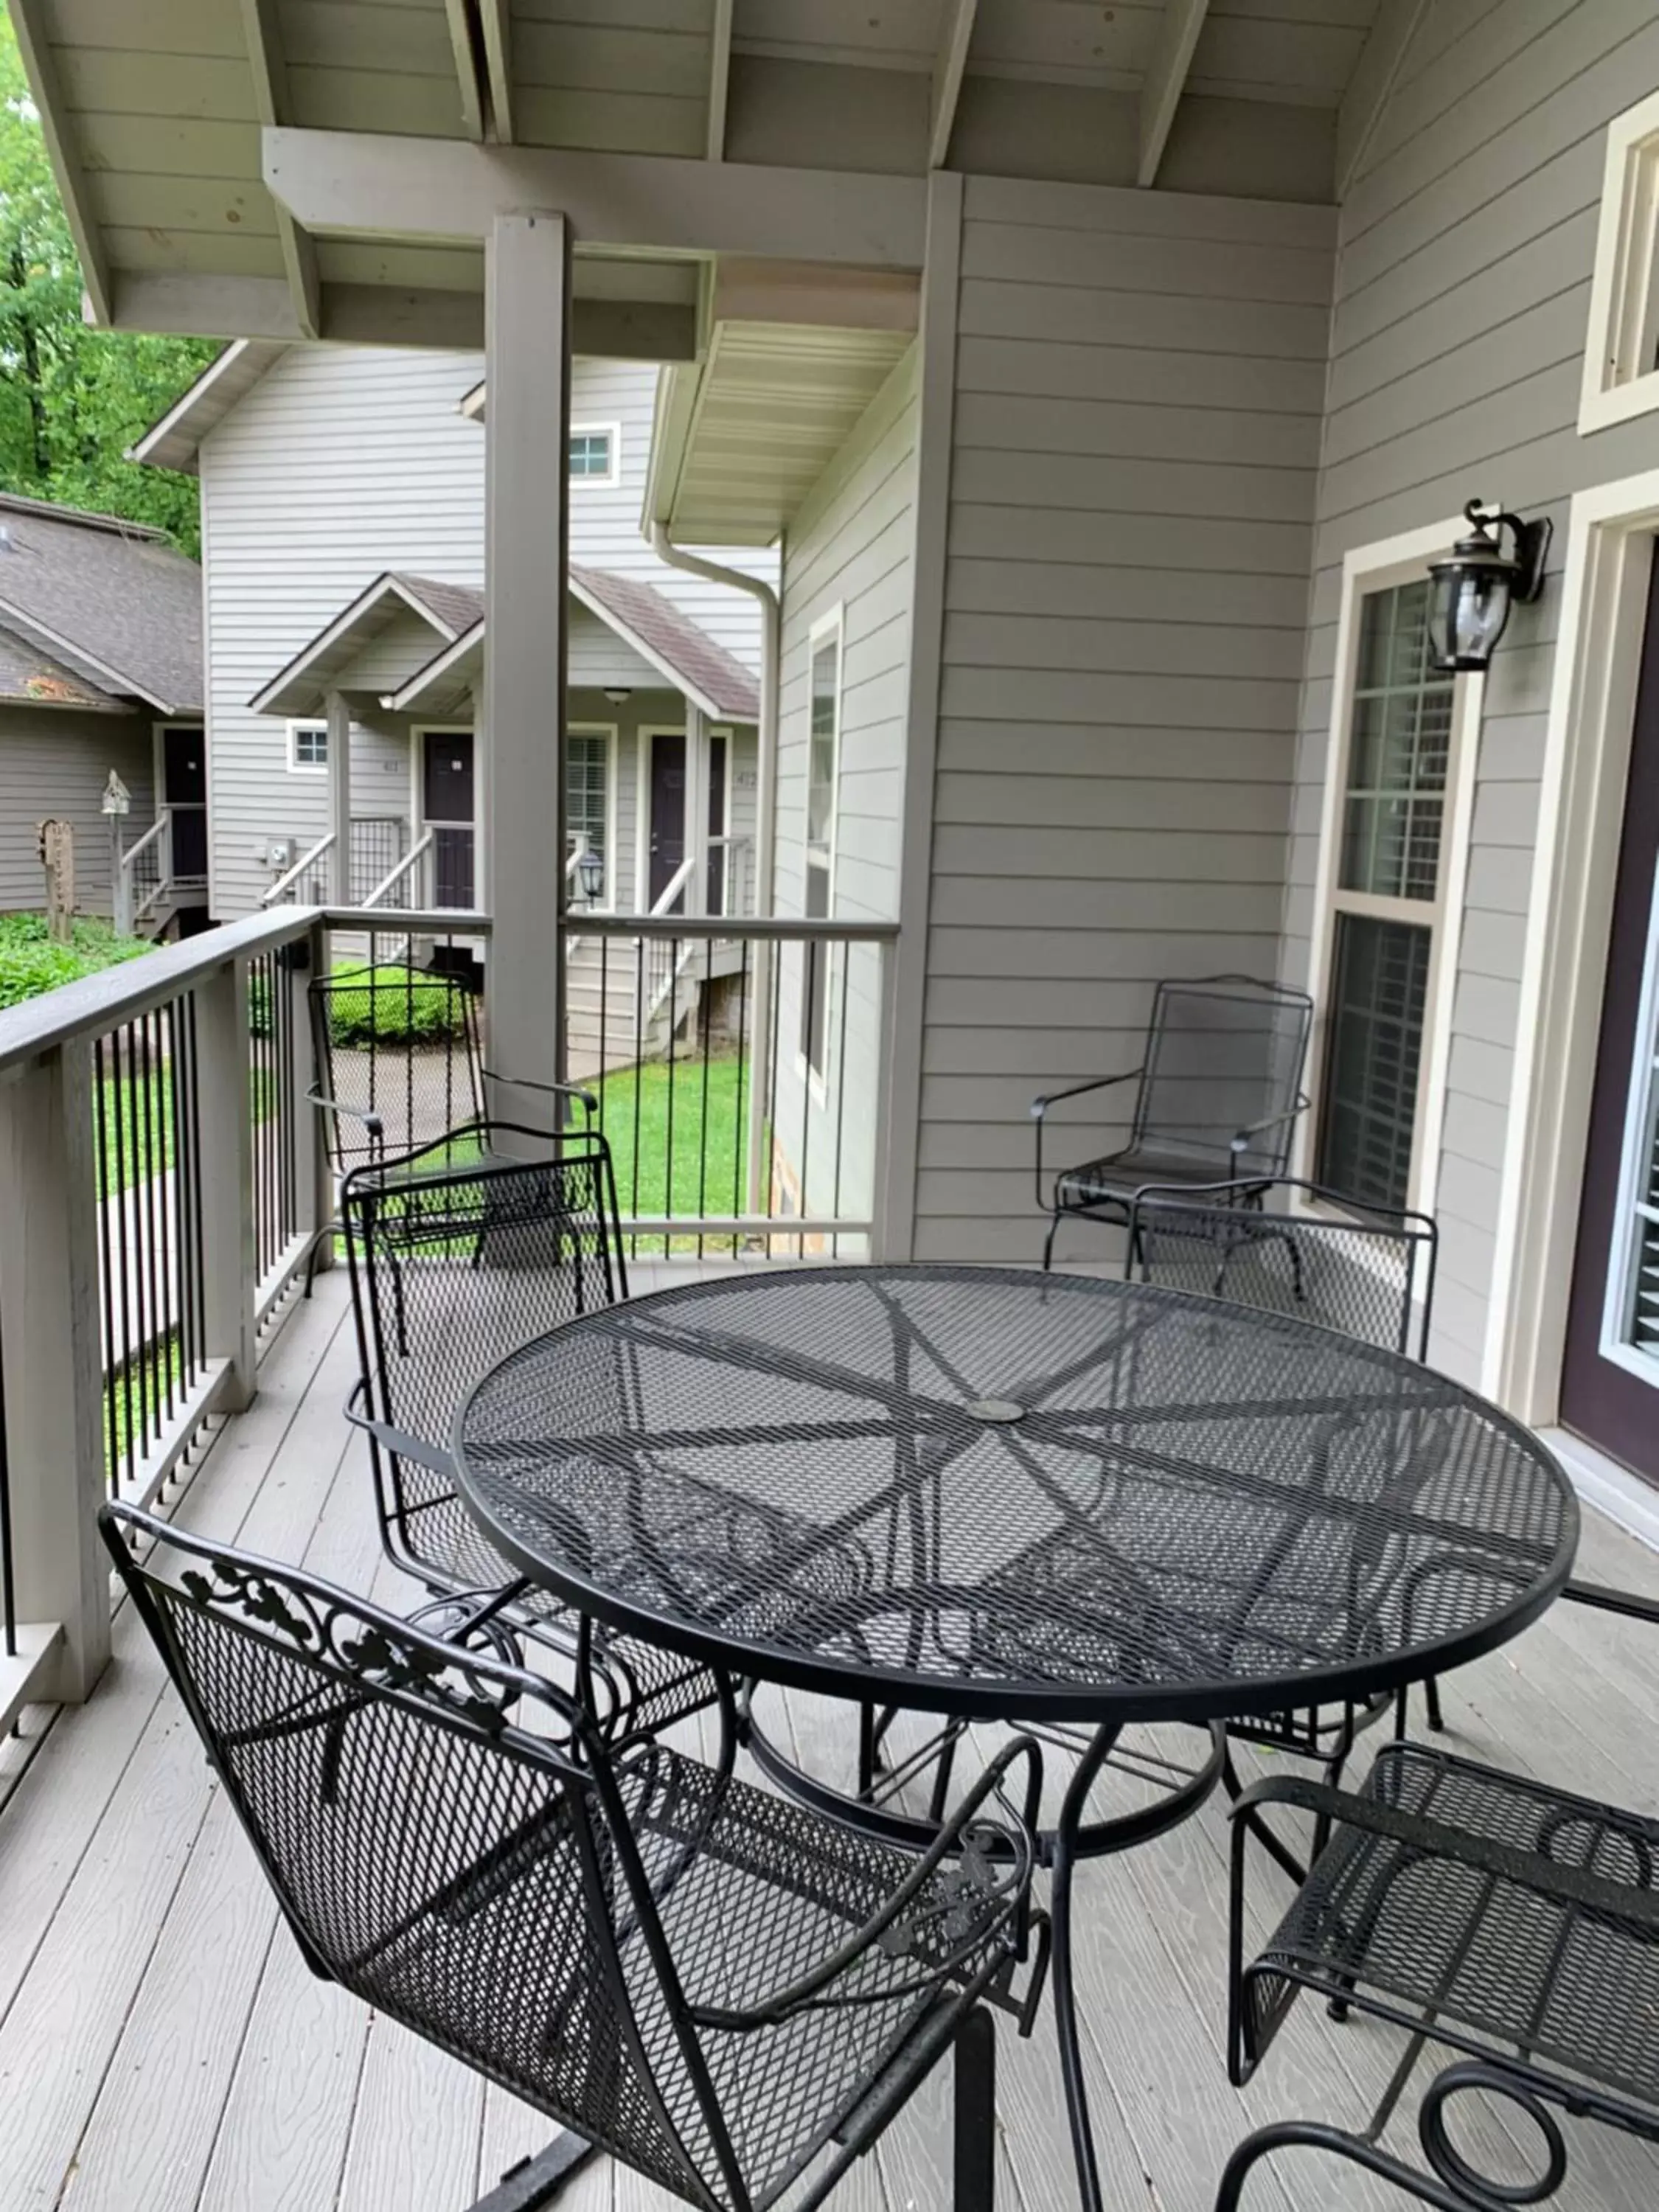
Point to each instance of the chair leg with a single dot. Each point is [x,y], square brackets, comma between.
[974,2138]
[1049,1241]
[1312,2134]
[535,2183]
[1432,1699]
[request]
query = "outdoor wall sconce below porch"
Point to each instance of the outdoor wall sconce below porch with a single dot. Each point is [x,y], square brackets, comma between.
[590,873]
[1471,593]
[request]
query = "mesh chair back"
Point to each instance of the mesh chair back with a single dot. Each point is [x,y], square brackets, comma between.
[455,1263]
[1368,1273]
[434,1844]
[399,1043]
[1223,1056]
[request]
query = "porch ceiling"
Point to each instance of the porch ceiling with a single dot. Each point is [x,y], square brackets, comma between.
[154,117]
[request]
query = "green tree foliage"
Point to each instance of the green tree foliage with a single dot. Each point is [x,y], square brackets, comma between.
[73,399]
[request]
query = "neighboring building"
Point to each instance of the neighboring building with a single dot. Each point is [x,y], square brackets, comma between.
[342,510]
[101,670]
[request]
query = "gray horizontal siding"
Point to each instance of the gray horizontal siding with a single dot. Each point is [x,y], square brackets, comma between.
[1140,380]
[1463,291]
[56,762]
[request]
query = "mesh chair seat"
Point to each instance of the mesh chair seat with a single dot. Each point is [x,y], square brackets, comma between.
[1420,1926]
[1114,1180]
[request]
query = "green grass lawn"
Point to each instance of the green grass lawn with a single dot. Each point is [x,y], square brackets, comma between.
[133,1125]
[709,1107]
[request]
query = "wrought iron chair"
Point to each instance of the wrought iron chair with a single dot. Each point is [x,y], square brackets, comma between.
[717,1988]
[1515,1923]
[455,1263]
[1366,1272]
[1218,1093]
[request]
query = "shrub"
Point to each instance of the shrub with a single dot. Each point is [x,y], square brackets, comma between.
[30,963]
[403,1006]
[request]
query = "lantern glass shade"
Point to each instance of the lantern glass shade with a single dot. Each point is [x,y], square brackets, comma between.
[1469,601]
[590,869]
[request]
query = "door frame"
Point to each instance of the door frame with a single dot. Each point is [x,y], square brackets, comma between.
[1591,724]
[646,738]
[158,774]
[418,734]
[610,732]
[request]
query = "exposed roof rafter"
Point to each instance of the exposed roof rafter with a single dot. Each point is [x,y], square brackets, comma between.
[948,72]
[42,70]
[1374,78]
[1166,78]
[719,77]
[269,66]
[498,67]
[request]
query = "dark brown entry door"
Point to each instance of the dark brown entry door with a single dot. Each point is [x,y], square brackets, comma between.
[184,788]
[1610,1380]
[720,856]
[667,812]
[447,803]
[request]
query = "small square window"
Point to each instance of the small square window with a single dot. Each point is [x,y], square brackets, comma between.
[307,747]
[594,456]
[1621,355]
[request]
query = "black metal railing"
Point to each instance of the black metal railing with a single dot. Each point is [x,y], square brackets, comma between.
[147,1135]
[379,842]
[7,1571]
[276,1098]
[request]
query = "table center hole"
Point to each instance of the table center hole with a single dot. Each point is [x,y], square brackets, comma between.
[994,1409]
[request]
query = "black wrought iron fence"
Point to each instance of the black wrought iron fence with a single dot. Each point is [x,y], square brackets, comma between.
[379,842]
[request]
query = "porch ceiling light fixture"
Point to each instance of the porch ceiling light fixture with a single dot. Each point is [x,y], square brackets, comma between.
[590,870]
[1471,593]
[618,694]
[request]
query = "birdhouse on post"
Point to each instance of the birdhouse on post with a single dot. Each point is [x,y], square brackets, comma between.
[115,805]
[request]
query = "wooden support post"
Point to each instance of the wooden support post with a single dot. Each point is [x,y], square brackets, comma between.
[229,1290]
[527,351]
[49,1339]
[339,799]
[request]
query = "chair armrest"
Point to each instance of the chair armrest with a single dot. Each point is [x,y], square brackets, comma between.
[432,1457]
[1273,1122]
[585,1099]
[1533,1870]
[1040,1105]
[370,1120]
[814,1987]
[1627,1602]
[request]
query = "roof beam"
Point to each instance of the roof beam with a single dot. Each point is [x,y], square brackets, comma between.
[42,72]
[1166,79]
[498,67]
[1376,74]
[459,17]
[719,77]
[362,184]
[949,70]
[269,67]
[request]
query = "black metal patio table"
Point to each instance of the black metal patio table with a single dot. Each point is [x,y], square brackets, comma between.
[1003,1495]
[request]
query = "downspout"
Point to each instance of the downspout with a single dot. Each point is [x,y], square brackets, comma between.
[766,774]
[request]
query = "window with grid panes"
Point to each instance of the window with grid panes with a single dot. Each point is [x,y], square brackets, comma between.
[821,773]
[588,795]
[591,455]
[1384,911]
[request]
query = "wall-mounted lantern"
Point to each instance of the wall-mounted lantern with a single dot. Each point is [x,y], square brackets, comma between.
[590,871]
[1471,593]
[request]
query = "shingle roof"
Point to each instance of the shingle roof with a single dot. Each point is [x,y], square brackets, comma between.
[456,606]
[673,637]
[30,678]
[112,602]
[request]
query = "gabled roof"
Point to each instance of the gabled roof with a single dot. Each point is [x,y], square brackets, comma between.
[29,678]
[300,687]
[110,604]
[176,442]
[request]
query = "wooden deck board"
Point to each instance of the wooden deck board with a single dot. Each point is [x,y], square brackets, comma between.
[163,2048]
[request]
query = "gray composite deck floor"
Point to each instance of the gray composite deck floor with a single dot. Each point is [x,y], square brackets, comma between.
[162,2049]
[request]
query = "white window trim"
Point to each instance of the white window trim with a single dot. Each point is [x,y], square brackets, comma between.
[1592,716]
[610,733]
[295,765]
[831,624]
[613,476]
[1624,315]
[1367,569]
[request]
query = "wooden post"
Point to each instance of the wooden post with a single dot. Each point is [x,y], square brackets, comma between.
[527,364]
[49,1339]
[339,799]
[224,1084]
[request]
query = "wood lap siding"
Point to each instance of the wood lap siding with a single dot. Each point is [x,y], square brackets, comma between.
[1139,385]
[1463,294]
[55,761]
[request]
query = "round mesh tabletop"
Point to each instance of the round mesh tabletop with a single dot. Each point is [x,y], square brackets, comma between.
[1008,1494]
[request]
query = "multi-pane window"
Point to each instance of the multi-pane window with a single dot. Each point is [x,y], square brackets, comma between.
[588,795]
[822,767]
[592,456]
[1383,918]
[308,745]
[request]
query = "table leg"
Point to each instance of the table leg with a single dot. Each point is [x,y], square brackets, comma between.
[1066,2027]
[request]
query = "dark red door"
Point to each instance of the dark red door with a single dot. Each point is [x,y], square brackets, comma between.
[1610,1378]
[447,803]
[667,812]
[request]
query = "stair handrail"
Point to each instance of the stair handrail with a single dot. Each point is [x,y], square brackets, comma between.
[323,845]
[418,851]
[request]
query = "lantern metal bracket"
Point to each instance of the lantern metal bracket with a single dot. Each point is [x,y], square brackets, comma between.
[1531,549]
